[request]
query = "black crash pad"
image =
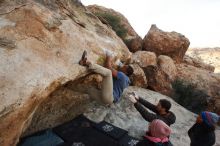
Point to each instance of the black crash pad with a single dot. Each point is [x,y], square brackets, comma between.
[74,126]
[42,138]
[128,141]
[111,130]
[89,137]
[81,132]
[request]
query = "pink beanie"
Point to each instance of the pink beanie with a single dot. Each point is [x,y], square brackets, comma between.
[159,129]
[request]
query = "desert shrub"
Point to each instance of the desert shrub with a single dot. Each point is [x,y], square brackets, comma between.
[187,95]
[115,23]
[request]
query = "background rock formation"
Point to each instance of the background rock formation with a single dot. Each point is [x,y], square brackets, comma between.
[144,58]
[134,44]
[198,63]
[158,80]
[205,73]
[172,44]
[138,78]
[119,24]
[40,46]
[160,71]
[210,56]
[166,64]
[203,80]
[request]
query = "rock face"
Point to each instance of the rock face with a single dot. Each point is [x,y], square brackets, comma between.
[134,44]
[210,56]
[171,44]
[40,45]
[124,115]
[198,63]
[158,80]
[167,65]
[61,106]
[144,58]
[204,80]
[107,16]
[138,78]
[160,72]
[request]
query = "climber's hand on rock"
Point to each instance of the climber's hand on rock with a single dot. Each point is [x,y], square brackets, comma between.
[135,95]
[132,98]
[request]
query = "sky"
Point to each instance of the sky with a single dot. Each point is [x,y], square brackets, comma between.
[198,20]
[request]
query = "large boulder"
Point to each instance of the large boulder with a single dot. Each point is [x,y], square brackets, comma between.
[160,72]
[166,64]
[172,44]
[124,115]
[138,78]
[119,24]
[40,45]
[144,58]
[134,44]
[161,75]
[203,80]
[158,80]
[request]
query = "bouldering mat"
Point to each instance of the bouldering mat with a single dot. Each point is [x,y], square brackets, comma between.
[111,130]
[42,138]
[81,132]
[128,141]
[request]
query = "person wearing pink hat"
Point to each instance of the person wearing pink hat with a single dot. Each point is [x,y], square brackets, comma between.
[157,134]
[202,133]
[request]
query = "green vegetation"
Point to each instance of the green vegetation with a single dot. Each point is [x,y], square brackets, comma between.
[115,23]
[187,95]
[101,60]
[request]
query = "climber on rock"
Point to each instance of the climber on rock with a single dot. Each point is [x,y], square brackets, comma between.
[161,110]
[114,81]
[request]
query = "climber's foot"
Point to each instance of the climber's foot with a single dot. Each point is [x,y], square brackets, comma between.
[83,60]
